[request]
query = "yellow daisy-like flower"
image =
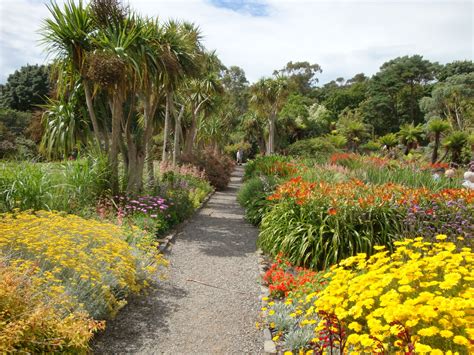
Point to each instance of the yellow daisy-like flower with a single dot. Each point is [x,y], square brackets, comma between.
[446,333]
[460,340]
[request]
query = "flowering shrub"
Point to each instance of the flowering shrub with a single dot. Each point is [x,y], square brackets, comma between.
[76,266]
[273,165]
[31,324]
[417,300]
[283,278]
[146,212]
[217,167]
[317,224]
[182,169]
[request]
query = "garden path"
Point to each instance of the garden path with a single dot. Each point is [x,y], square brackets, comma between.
[217,247]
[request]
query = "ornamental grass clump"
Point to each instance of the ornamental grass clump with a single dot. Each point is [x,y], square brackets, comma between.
[74,265]
[419,299]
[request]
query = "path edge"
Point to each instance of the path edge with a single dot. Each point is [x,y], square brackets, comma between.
[165,242]
[269,346]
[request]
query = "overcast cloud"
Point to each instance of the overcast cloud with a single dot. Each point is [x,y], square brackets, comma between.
[344,37]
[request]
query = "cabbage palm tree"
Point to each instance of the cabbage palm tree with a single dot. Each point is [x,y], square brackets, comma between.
[182,42]
[67,37]
[436,127]
[201,93]
[115,69]
[269,95]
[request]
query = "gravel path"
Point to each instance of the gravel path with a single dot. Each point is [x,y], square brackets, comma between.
[216,247]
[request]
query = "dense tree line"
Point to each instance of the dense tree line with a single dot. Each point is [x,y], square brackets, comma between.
[140,89]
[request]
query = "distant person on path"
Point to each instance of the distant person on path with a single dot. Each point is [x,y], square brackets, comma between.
[240,156]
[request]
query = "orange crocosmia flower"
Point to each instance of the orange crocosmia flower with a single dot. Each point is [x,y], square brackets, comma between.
[332,211]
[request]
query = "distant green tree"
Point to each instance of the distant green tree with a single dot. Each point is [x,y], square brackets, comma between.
[395,90]
[348,96]
[320,120]
[293,118]
[301,76]
[236,86]
[452,99]
[269,96]
[26,88]
[13,127]
[455,68]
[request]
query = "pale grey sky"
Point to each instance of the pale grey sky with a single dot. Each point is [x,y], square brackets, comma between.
[344,36]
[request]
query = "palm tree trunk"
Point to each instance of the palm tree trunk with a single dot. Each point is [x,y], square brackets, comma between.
[90,109]
[271,134]
[164,156]
[177,134]
[190,134]
[150,165]
[434,156]
[117,118]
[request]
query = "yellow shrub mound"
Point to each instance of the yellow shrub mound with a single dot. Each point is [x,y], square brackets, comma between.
[59,272]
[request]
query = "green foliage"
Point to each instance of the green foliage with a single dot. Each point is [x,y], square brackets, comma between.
[455,68]
[394,92]
[232,149]
[265,166]
[410,135]
[390,140]
[71,186]
[319,120]
[65,125]
[14,142]
[313,147]
[452,99]
[253,197]
[183,192]
[301,75]
[351,126]
[26,88]
[371,146]
[348,96]
[436,127]
[455,143]
[308,236]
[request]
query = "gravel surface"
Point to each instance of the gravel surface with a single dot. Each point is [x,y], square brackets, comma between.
[179,316]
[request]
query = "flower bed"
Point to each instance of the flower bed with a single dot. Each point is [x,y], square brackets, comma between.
[417,300]
[318,224]
[79,271]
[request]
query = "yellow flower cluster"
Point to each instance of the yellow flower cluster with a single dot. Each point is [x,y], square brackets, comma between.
[419,298]
[76,264]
